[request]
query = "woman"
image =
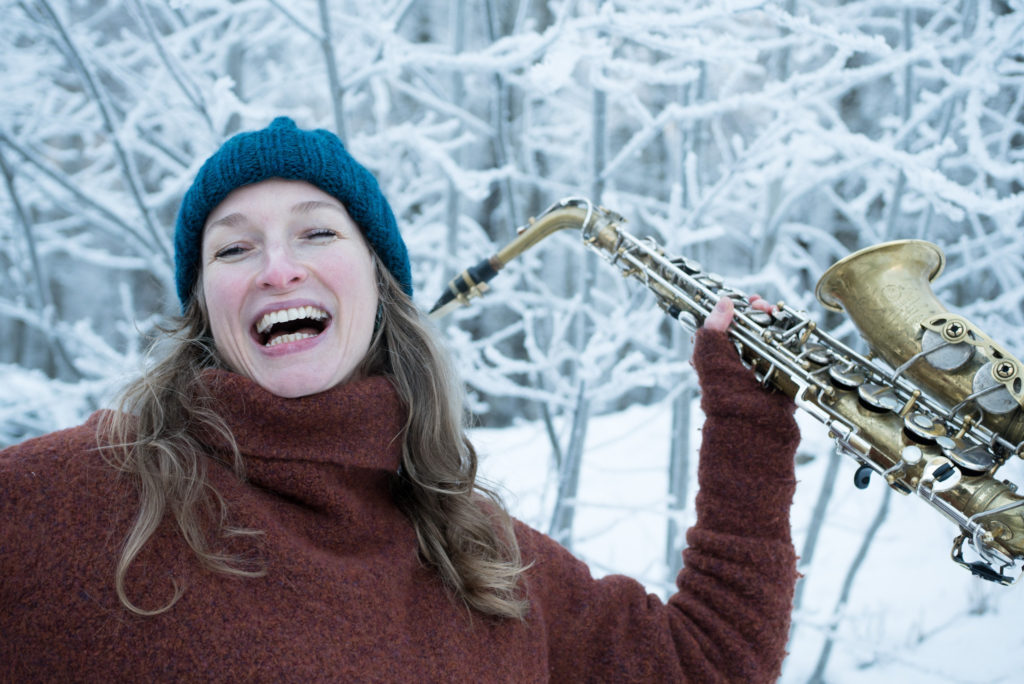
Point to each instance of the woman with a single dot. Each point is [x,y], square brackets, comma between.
[289,494]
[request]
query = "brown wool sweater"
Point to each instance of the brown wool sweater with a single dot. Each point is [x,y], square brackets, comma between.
[345,598]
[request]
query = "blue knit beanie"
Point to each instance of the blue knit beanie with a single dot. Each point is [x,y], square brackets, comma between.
[282,150]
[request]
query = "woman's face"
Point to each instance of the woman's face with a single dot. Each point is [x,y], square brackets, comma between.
[289,286]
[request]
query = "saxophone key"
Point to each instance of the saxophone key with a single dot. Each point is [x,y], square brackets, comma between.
[975,460]
[878,398]
[990,393]
[894,475]
[911,454]
[922,429]
[760,318]
[940,474]
[945,355]
[846,378]
[862,478]
[817,354]
[687,265]
[711,280]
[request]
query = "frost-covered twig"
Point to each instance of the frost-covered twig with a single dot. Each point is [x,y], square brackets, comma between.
[106,113]
[80,195]
[189,90]
[44,302]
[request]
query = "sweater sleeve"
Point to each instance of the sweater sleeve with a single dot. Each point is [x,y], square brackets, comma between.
[729,620]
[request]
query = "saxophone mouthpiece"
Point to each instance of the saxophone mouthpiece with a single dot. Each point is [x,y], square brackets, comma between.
[469,284]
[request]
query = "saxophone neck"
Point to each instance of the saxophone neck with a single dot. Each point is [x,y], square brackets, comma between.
[572,212]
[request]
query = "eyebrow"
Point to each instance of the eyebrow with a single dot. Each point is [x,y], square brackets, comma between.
[237,218]
[231,220]
[312,205]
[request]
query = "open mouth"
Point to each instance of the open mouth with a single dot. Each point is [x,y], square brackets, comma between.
[289,325]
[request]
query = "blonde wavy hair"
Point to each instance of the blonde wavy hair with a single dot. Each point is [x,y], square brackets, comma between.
[462,528]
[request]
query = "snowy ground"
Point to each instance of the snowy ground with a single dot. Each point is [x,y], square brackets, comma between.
[912,615]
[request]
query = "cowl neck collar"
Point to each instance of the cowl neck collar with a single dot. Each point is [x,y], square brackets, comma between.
[356,424]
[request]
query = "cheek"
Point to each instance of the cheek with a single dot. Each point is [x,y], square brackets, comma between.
[365,292]
[354,283]
[223,298]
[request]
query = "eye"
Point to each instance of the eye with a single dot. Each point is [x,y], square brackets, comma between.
[321,234]
[229,252]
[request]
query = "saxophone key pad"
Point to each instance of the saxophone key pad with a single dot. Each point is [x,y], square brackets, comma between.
[911,454]
[944,355]
[846,378]
[818,354]
[877,398]
[760,317]
[992,395]
[975,460]
[923,429]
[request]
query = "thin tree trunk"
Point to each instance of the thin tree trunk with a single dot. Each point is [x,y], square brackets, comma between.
[333,80]
[817,677]
[44,300]
[564,514]
[828,486]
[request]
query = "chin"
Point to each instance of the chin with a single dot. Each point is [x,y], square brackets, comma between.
[300,385]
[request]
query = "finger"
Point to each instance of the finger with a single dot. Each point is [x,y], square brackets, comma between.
[721,316]
[761,304]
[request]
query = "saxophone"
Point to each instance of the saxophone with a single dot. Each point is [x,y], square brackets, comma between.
[935,409]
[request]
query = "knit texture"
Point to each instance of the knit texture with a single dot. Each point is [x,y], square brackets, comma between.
[282,150]
[345,597]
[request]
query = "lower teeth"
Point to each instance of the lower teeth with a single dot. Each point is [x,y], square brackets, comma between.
[289,338]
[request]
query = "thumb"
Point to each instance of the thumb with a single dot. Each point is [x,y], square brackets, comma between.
[721,316]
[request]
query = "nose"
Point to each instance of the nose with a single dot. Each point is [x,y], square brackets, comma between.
[281,270]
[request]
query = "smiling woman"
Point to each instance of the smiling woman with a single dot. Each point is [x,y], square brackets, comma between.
[289,493]
[289,286]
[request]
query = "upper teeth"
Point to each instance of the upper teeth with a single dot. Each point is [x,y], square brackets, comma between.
[285,315]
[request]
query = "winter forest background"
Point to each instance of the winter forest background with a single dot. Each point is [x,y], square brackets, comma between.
[766,139]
